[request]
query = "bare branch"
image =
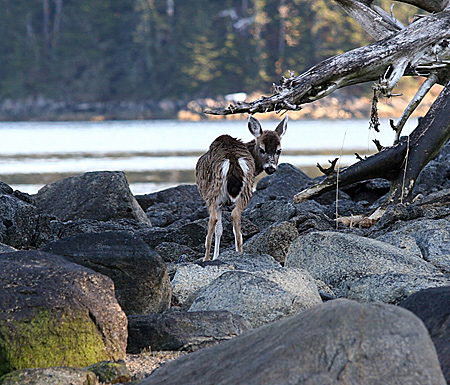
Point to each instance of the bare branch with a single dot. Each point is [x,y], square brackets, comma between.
[402,163]
[330,170]
[374,20]
[428,5]
[413,104]
[423,45]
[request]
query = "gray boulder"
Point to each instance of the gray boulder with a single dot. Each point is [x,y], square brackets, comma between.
[274,241]
[18,221]
[339,342]
[190,278]
[140,275]
[187,331]
[248,262]
[53,376]
[283,184]
[260,297]
[177,204]
[6,249]
[431,237]
[82,226]
[404,241]
[100,195]
[174,252]
[56,313]
[340,259]
[392,287]
[270,212]
[432,306]
[110,372]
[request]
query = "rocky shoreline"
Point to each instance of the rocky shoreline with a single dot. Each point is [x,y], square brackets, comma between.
[337,106]
[100,285]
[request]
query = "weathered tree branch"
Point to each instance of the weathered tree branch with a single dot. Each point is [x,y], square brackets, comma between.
[428,5]
[423,144]
[413,104]
[402,163]
[374,20]
[421,48]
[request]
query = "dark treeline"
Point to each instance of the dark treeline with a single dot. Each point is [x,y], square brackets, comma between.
[106,50]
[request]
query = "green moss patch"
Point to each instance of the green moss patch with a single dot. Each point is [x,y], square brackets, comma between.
[50,339]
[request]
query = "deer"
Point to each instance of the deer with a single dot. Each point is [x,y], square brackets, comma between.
[226,172]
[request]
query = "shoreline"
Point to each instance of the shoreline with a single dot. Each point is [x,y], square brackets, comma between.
[333,107]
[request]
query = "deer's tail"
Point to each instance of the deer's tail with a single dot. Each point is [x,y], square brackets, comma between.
[236,176]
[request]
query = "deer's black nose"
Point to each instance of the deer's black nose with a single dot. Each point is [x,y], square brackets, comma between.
[270,170]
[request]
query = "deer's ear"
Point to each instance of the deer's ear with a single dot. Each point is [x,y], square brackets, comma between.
[254,126]
[282,127]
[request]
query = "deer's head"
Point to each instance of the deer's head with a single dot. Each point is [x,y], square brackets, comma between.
[268,144]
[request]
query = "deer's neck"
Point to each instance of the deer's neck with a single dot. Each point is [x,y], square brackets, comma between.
[255,155]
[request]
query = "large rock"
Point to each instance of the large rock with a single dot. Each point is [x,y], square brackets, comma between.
[260,297]
[187,331]
[248,262]
[82,226]
[18,221]
[274,241]
[101,195]
[177,204]
[341,259]
[190,278]
[110,372]
[140,275]
[339,342]
[270,212]
[56,313]
[284,184]
[6,248]
[432,238]
[432,306]
[392,287]
[47,376]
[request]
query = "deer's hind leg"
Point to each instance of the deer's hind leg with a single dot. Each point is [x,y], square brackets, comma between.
[236,219]
[213,215]
[218,233]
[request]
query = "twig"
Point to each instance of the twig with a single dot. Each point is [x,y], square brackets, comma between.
[330,170]
[378,144]
[404,172]
[374,120]
[337,180]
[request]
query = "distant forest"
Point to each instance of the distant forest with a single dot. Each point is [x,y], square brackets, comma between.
[131,50]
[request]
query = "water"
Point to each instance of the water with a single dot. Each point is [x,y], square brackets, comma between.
[159,154]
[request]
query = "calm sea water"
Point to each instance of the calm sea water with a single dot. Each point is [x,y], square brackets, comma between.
[159,154]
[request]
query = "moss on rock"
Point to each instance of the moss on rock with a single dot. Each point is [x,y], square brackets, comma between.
[49,339]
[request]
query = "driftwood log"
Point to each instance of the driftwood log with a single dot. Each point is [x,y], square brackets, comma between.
[419,49]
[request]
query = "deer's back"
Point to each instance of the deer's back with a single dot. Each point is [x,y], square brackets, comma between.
[210,166]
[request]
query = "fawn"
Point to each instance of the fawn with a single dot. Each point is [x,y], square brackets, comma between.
[225,176]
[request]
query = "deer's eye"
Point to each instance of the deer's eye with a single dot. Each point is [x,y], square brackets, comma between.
[262,151]
[279,151]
